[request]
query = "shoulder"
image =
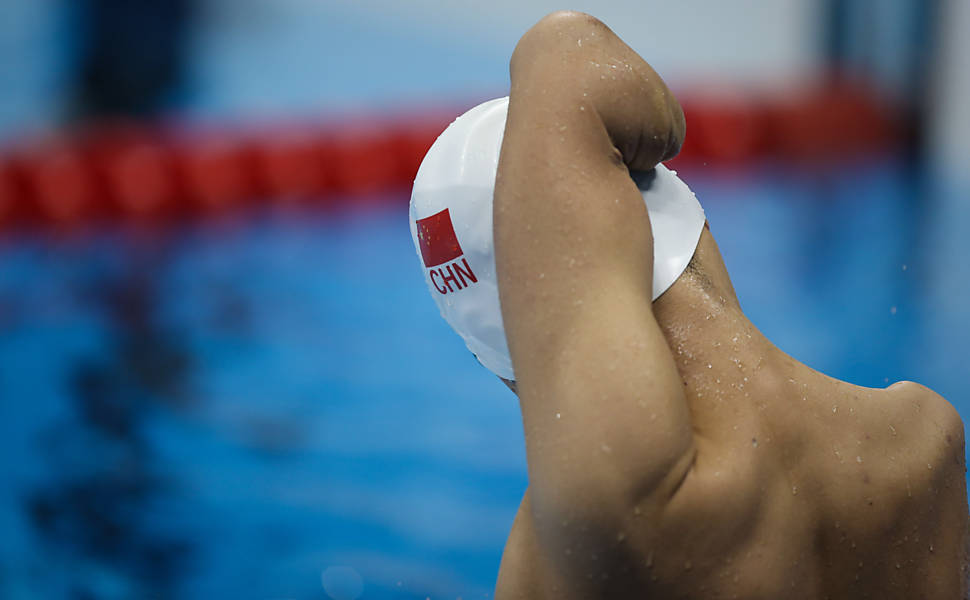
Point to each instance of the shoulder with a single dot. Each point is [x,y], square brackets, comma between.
[936,419]
[903,442]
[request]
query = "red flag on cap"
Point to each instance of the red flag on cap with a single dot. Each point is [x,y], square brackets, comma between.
[436,236]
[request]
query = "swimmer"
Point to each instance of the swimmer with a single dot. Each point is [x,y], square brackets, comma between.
[673,451]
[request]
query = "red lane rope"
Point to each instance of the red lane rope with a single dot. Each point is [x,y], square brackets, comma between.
[145,172]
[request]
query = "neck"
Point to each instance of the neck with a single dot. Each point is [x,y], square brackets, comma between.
[705,328]
[703,290]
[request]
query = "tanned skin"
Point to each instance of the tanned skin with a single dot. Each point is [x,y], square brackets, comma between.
[673,451]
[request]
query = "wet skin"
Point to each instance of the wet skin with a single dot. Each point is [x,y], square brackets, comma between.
[803,486]
[673,450]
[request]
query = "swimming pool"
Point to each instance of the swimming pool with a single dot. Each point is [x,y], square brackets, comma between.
[233,407]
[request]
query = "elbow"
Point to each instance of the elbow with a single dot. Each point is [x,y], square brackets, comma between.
[563,22]
[572,19]
[562,28]
[572,52]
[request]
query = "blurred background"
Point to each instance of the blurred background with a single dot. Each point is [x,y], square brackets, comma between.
[221,374]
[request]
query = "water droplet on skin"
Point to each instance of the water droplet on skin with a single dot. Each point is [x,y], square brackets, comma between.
[620,536]
[708,365]
[892,429]
[794,490]
[931,547]
[835,409]
[606,448]
[858,459]
[558,416]
[754,442]
[649,561]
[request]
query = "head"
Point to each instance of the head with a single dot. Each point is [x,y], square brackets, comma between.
[451,226]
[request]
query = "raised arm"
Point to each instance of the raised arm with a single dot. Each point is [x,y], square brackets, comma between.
[606,421]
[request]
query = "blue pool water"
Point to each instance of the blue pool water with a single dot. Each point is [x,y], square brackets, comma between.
[232,409]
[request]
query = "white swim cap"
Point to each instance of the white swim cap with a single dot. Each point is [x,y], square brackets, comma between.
[451,226]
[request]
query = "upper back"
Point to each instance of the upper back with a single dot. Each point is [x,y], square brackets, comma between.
[815,488]
[802,485]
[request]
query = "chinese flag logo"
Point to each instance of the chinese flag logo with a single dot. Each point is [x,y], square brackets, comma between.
[436,236]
